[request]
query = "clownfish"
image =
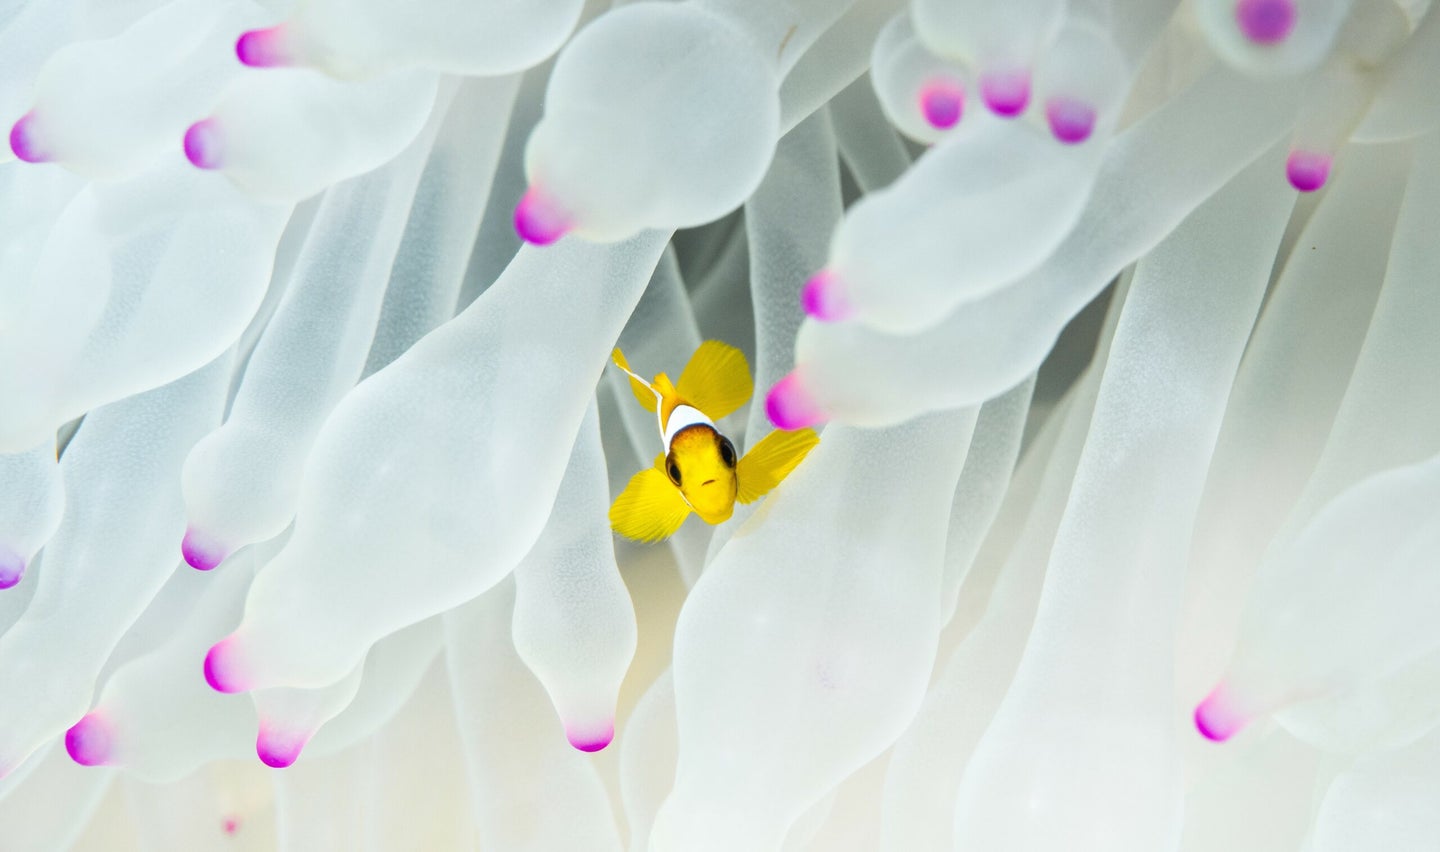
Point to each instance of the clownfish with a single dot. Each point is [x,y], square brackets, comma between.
[699,470]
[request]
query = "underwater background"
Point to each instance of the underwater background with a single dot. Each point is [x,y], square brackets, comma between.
[1118,320]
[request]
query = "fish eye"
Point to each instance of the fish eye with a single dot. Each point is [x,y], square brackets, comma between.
[674,470]
[727,451]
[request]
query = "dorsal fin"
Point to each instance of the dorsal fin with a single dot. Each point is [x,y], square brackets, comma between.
[645,393]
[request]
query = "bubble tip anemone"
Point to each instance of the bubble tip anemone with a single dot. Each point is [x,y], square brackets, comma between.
[1215,719]
[1071,120]
[262,48]
[203,144]
[1006,93]
[278,750]
[23,141]
[823,297]
[221,665]
[89,740]
[539,220]
[1265,22]
[942,102]
[201,553]
[591,738]
[790,407]
[12,568]
[1307,170]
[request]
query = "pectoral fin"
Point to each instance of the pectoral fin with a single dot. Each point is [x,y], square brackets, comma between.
[644,393]
[650,508]
[770,461]
[717,379]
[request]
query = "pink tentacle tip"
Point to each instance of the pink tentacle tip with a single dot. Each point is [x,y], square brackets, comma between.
[25,141]
[1006,93]
[1071,121]
[203,145]
[1265,21]
[823,298]
[1216,720]
[230,824]
[591,739]
[12,568]
[221,665]
[789,406]
[89,741]
[942,102]
[1307,170]
[278,750]
[263,48]
[201,553]
[539,220]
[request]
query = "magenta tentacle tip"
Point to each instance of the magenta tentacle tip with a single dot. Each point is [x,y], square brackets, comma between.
[263,48]
[278,751]
[1215,720]
[230,824]
[1071,121]
[12,568]
[89,741]
[539,220]
[591,740]
[23,140]
[221,665]
[790,407]
[1307,170]
[201,553]
[942,102]
[1006,93]
[823,297]
[1265,21]
[203,144]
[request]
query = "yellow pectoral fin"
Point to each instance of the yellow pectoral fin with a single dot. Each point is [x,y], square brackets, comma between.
[771,460]
[642,390]
[649,509]
[717,379]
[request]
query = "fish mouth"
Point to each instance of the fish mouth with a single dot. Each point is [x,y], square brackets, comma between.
[707,482]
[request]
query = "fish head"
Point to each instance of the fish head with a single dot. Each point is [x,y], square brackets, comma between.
[701,463]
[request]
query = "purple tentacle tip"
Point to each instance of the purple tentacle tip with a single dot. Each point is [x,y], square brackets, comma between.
[790,407]
[1307,170]
[539,220]
[12,568]
[201,553]
[1006,93]
[1215,720]
[823,297]
[942,102]
[263,48]
[24,141]
[203,143]
[220,665]
[278,750]
[591,739]
[1265,21]
[89,741]
[1072,121]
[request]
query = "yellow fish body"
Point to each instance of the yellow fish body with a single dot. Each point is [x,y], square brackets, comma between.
[699,469]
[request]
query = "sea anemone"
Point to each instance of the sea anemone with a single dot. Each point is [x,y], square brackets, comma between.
[1120,320]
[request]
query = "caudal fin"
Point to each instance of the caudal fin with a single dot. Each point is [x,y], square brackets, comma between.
[717,380]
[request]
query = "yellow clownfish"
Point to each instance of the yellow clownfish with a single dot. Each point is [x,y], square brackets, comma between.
[699,470]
